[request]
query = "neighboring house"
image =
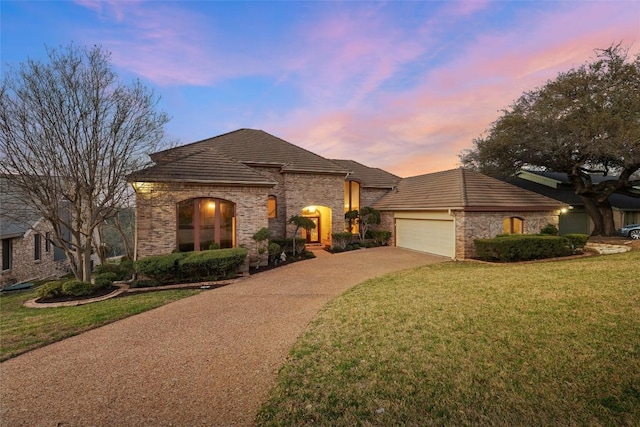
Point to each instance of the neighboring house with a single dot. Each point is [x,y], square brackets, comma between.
[556,185]
[27,252]
[443,212]
[220,191]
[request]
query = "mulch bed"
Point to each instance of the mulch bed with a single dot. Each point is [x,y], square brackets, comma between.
[97,293]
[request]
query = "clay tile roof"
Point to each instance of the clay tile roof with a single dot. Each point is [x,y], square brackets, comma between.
[368,177]
[256,148]
[462,189]
[202,165]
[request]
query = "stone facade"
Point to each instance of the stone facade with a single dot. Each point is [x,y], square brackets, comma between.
[484,225]
[23,265]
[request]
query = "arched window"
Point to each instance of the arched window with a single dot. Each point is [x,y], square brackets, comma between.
[513,225]
[272,207]
[206,223]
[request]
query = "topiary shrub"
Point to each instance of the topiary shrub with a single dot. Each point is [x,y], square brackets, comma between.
[340,240]
[274,252]
[163,268]
[381,237]
[77,288]
[50,290]
[105,279]
[286,245]
[549,230]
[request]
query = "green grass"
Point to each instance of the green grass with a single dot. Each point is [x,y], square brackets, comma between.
[458,344]
[23,329]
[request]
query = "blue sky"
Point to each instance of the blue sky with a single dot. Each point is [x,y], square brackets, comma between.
[404,86]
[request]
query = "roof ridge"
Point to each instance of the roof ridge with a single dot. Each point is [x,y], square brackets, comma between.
[463,183]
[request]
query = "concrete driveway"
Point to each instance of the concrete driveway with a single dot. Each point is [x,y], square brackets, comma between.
[207,360]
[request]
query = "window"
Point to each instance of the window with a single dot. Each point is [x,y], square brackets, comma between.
[7,254]
[512,225]
[351,202]
[47,242]
[205,223]
[37,246]
[272,207]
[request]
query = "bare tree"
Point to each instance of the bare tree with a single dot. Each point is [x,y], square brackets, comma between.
[70,131]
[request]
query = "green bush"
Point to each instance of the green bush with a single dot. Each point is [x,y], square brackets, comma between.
[50,290]
[340,240]
[77,288]
[192,266]
[549,230]
[577,240]
[286,244]
[521,248]
[381,237]
[104,279]
[123,270]
[274,252]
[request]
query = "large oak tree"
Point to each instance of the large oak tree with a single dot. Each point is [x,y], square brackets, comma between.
[70,131]
[584,123]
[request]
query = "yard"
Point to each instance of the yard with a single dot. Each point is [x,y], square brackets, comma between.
[549,343]
[23,329]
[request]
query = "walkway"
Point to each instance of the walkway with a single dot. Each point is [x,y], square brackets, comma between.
[207,360]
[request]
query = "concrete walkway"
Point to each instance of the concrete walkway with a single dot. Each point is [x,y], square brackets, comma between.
[207,360]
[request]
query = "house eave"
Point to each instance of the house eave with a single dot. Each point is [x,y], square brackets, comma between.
[209,182]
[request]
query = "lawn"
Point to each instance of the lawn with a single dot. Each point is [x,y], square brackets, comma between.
[23,329]
[539,344]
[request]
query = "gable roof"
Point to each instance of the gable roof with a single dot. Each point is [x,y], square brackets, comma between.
[201,165]
[462,189]
[16,217]
[255,148]
[368,177]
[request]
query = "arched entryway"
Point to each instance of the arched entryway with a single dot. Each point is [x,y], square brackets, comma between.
[321,217]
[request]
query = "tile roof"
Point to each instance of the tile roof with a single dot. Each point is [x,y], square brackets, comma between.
[368,177]
[462,189]
[255,148]
[200,164]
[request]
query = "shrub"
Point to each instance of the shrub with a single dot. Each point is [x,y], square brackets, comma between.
[578,241]
[77,288]
[274,252]
[521,248]
[123,271]
[105,279]
[50,290]
[287,247]
[381,237]
[309,255]
[340,240]
[549,230]
[192,266]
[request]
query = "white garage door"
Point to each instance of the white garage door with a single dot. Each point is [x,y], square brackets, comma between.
[426,235]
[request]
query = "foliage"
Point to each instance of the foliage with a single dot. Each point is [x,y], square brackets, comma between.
[70,132]
[367,217]
[585,123]
[351,217]
[261,237]
[50,290]
[462,344]
[549,230]
[300,222]
[23,329]
[192,266]
[577,240]
[104,279]
[77,288]
[340,241]
[381,237]
[274,252]
[521,247]
[122,270]
[286,244]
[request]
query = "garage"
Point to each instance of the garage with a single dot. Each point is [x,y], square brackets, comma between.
[431,232]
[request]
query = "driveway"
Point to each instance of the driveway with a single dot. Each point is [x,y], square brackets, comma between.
[207,360]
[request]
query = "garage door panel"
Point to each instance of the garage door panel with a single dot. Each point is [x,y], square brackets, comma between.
[432,236]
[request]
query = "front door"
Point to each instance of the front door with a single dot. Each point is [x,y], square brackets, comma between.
[313,236]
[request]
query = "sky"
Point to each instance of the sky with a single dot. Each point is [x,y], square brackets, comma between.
[400,85]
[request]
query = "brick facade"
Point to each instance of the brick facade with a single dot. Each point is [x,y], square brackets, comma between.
[23,265]
[484,225]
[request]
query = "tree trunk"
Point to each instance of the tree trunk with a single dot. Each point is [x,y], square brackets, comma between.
[608,225]
[591,206]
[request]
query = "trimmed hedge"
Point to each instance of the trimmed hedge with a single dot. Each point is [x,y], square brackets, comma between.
[123,270]
[77,288]
[577,240]
[179,267]
[522,247]
[50,290]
